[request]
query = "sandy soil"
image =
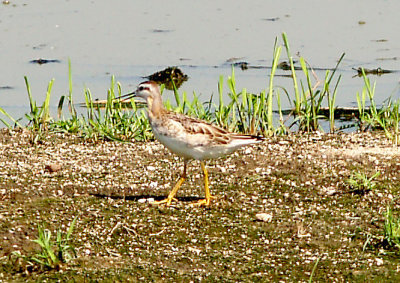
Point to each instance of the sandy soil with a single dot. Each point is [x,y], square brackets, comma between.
[282,208]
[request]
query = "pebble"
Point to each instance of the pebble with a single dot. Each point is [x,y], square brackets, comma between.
[379,261]
[265,217]
[53,167]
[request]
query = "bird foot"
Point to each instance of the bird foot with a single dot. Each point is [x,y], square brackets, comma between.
[166,201]
[205,202]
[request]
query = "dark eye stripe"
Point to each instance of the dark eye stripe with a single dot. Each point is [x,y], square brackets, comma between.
[141,88]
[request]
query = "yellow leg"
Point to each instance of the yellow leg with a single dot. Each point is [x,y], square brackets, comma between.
[208,198]
[171,195]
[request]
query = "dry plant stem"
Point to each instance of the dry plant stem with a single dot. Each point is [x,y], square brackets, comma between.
[317,80]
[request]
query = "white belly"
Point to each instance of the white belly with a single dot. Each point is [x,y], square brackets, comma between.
[192,145]
[188,150]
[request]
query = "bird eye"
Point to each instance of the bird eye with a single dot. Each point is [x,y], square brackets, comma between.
[141,88]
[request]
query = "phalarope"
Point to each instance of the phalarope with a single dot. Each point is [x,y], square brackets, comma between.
[187,137]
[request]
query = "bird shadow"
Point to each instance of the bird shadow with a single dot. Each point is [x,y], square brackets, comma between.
[138,197]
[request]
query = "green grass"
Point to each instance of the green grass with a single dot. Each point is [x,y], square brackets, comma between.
[361,183]
[111,123]
[385,118]
[298,98]
[392,229]
[52,253]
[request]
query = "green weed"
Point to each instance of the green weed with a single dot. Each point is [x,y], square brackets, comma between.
[360,183]
[308,111]
[16,122]
[298,98]
[385,118]
[39,117]
[392,229]
[114,122]
[52,253]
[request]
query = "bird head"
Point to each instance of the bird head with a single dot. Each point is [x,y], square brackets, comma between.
[147,90]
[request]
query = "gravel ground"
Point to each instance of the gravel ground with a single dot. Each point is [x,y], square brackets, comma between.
[282,208]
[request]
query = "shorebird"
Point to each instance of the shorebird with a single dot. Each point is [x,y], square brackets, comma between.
[187,137]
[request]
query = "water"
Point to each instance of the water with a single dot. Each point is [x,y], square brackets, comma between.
[132,39]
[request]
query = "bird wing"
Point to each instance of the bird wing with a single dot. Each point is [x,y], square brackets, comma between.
[210,134]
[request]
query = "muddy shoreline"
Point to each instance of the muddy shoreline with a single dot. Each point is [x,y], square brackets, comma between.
[299,181]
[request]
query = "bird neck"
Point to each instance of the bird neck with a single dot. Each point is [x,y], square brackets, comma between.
[156,107]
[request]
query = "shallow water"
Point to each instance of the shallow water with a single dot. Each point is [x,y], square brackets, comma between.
[132,39]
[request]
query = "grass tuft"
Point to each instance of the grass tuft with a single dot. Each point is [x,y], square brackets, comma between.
[52,253]
[360,183]
[392,229]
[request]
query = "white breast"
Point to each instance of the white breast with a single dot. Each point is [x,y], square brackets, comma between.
[190,145]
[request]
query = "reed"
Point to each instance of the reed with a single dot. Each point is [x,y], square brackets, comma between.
[7,124]
[297,100]
[276,56]
[39,117]
[307,113]
[385,117]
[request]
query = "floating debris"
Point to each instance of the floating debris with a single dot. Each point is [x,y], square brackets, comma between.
[169,75]
[271,19]
[242,65]
[41,61]
[342,113]
[387,58]
[39,47]
[161,30]
[122,103]
[284,65]
[245,65]
[6,87]
[234,59]
[377,71]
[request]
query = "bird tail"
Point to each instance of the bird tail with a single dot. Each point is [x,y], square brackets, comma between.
[242,140]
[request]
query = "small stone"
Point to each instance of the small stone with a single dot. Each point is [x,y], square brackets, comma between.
[153,185]
[194,250]
[247,150]
[265,217]
[379,261]
[54,167]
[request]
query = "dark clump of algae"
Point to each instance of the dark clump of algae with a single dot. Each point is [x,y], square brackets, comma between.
[317,221]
